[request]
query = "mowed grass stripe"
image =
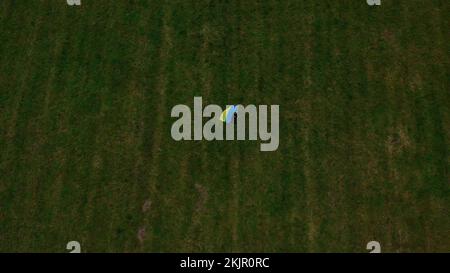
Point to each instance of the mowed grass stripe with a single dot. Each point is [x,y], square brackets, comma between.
[113,141]
[73,122]
[434,155]
[42,206]
[162,87]
[22,174]
[175,184]
[246,189]
[295,120]
[145,54]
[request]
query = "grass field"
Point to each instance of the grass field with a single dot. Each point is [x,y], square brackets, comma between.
[86,152]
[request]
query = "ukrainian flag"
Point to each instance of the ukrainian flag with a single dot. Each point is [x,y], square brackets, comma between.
[227,115]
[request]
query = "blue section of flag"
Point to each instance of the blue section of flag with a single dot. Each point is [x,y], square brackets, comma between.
[231,113]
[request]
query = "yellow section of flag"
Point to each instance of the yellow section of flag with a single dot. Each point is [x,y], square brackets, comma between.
[223,116]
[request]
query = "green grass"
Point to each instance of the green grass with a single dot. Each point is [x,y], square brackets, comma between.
[85,100]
